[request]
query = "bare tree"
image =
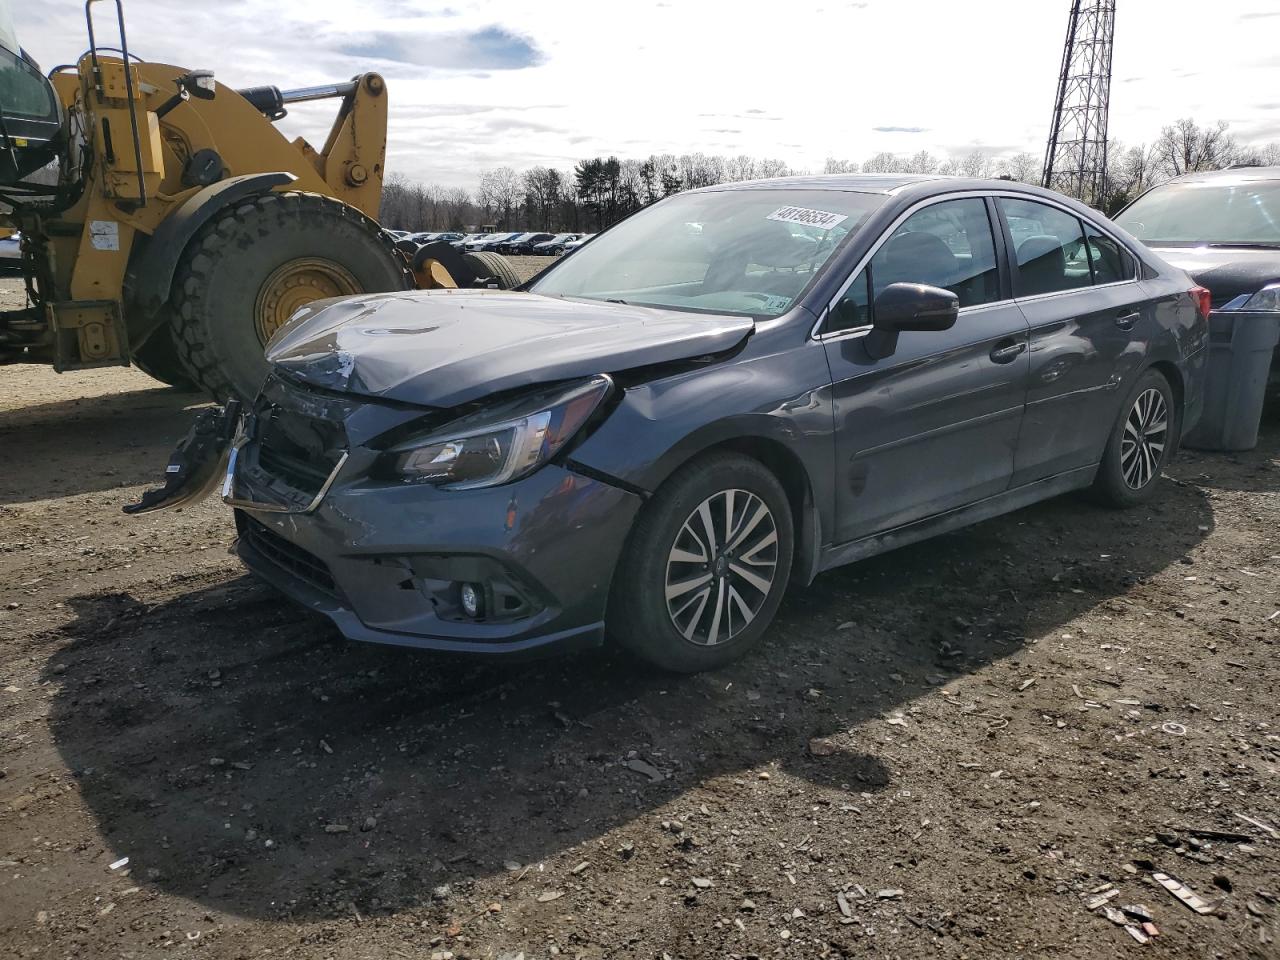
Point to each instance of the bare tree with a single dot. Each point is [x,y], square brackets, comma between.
[922,162]
[976,164]
[455,205]
[1261,155]
[839,166]
[1024,167]
[773,168]
[1186,147]
[499,193]
[884,162]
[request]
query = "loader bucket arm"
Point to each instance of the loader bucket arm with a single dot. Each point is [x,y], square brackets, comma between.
[354,154]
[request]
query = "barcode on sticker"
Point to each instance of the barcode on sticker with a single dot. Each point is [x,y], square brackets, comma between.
[809,218]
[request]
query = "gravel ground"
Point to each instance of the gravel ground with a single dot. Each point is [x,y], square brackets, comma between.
[943,751]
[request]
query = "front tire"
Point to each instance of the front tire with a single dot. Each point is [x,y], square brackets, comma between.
[705,567]
[1141,442]
[254,264]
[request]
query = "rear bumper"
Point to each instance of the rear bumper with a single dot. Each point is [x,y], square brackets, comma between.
[383,562]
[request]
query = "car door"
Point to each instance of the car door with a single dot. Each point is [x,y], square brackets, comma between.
[1078,289]
[933,426]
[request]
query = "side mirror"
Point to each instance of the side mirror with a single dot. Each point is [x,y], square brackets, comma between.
[908,306]
[915,306]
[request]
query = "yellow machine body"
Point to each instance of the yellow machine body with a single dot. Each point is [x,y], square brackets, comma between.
[131,187]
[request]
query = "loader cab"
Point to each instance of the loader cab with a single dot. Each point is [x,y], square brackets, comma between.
[30,118]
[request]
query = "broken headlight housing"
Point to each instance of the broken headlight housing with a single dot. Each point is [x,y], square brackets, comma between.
[502,443]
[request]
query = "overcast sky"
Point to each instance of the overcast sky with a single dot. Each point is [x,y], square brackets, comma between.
[477,84]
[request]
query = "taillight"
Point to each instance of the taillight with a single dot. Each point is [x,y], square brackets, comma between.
[1201,296]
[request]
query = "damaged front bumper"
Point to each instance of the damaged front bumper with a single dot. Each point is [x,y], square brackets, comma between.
[387,560]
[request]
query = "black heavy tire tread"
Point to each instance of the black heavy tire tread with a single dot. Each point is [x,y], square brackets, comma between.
[158,358]
[1109,488]
[494,265]
[637,616]
[243,234]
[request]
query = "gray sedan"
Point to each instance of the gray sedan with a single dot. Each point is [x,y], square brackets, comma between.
[733,390]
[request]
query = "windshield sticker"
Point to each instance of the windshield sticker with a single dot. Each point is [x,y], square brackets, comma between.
[809,218]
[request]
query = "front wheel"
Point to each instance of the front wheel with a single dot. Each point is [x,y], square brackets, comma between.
[1140,444]
[705,567]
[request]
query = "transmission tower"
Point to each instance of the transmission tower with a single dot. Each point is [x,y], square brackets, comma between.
[1075,161]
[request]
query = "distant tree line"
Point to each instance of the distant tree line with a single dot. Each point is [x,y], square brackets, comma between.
[602,190]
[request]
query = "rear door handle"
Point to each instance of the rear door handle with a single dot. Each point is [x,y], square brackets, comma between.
[1008,352]
[1125,321]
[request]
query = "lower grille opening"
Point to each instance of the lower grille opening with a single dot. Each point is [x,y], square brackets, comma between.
[287,556]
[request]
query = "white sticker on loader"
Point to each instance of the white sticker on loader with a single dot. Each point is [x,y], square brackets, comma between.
[809,218]
[104,234]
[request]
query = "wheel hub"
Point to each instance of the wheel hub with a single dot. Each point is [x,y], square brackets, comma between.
[1146,431]
[293,285]
[721,568]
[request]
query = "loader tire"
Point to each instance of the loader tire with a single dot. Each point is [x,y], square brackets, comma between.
[158,358]
[495,267]
[257,262]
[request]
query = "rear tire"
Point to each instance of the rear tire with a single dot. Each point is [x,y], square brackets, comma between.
[158,358]
[688,598]
[254,264]
[1141,443]
[495,267]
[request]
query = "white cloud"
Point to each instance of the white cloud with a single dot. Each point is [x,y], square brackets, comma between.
[799,82]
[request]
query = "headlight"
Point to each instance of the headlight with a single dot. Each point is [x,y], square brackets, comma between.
[1266,300]
[503,443]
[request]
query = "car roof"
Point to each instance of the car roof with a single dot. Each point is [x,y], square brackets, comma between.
[856,182]
[1238,174]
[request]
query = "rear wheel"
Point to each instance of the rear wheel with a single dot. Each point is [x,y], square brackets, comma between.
[1140,444]
[705,567]
[248,270]
[158,358]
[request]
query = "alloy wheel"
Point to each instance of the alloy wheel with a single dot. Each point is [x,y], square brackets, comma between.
[1146,431]
[721,567]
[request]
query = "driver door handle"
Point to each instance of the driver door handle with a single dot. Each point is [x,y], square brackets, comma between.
[1009,352]
[1125,321]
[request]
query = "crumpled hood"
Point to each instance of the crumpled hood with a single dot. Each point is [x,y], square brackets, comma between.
[1226,271]
[441,348]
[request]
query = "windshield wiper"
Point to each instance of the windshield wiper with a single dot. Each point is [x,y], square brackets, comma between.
[616,300]
[1259,244]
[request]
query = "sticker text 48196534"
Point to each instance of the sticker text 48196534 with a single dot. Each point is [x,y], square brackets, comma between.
[809,218]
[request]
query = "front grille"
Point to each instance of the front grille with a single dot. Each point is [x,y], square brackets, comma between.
[299,450]
[286,555]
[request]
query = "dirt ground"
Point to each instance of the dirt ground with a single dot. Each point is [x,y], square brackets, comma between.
[940,752]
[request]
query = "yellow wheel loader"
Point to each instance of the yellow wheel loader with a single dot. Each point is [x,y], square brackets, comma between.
[166,222]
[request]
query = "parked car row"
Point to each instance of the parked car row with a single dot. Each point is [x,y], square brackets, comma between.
[511,243]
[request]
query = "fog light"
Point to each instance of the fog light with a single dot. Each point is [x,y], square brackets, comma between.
[472,603]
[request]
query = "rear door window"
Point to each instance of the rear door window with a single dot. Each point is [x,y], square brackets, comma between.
[1111,262]
[1049,248]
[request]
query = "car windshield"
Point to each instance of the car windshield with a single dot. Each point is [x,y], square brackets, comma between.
[1244,212]
[747,252]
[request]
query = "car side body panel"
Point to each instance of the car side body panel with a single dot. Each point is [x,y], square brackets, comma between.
[778,389]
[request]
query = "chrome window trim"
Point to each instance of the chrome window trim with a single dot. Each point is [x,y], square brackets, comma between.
[816,334]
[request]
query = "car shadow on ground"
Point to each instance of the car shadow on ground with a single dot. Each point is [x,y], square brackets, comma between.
[242,755]
[67,439]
